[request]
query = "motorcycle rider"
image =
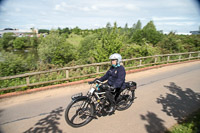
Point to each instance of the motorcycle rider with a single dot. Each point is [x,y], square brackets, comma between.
[116,79]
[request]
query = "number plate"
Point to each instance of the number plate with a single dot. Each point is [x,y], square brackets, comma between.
[76,96]
[92,90]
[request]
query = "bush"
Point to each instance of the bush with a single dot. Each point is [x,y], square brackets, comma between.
[12,64]
[54,49]
[7,41]
[20,43]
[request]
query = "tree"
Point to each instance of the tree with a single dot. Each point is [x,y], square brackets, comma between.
[151,34]
[171,44]
[64,32]
[126,29]
[12,64]
[107,44]
[7,40]
[134,50]
[87,46]
[138,26]
[34,41]
[43,31]
[108,27]
[137,36]
[54,49]
[76,30]
[20,43]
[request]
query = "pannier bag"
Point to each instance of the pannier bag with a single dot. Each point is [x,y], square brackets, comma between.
[131,84]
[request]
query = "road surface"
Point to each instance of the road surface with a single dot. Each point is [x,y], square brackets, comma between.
[164,96]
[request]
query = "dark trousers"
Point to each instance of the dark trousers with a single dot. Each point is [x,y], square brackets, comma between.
[112,96]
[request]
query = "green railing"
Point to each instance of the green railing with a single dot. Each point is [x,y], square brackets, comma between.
[82,71]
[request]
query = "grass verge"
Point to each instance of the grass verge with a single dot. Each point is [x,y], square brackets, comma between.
[190,125]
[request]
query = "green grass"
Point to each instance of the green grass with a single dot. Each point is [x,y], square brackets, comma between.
[75,39]
[190,125]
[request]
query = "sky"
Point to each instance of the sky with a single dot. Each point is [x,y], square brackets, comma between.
[181,16]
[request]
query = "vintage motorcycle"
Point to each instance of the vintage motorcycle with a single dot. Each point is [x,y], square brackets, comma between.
[83,109]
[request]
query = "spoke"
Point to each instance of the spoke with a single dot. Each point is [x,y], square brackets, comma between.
[80,112]
[72,119]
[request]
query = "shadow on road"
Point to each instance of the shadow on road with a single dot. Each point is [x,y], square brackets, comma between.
[155,124]
[49,123]
[180,103]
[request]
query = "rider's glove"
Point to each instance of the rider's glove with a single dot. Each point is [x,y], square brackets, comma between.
[95,80]
[92,82]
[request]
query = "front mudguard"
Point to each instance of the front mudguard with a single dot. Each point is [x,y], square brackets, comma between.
[79,98]
[84,98]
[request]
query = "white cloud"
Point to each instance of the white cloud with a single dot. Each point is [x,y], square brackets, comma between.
[58,8]
[7,20]
[169,18]
[85,9]
[176,23]
[110,5]
[106,5]
[131,7]
[63,6]
[45,21]
[43,13]
[17,9]
[28,26]
[168,15]
[143,19]
[2,8]
[92,8]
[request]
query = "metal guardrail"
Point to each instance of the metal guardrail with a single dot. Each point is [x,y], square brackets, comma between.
[128,63]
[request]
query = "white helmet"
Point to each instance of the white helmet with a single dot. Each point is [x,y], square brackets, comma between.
[117,57]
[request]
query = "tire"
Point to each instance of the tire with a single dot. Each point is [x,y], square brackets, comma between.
[125,103]
[79,112]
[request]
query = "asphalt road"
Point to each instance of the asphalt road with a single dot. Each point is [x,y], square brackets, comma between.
[164,96]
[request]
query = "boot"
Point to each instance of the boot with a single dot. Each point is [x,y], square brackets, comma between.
[112,109]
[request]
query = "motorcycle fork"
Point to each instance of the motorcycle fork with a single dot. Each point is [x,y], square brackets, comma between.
[85,104]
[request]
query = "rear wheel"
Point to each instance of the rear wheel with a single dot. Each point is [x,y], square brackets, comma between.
[125,99]
[79,112]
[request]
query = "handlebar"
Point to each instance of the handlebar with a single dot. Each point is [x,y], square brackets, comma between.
[95,81]
[106,86]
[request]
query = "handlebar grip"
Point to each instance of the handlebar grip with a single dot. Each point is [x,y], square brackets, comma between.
[95,81]
[98,81]
[91,82]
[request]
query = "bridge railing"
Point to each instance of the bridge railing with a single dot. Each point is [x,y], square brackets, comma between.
[84,71]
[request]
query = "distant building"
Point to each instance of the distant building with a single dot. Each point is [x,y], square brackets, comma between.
[178,33]
[195,32]
[19,33]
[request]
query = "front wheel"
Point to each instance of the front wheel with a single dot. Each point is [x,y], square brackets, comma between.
[79,112]
[125,99]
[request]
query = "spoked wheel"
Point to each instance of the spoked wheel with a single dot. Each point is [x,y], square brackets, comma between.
[79,113]
[125,99]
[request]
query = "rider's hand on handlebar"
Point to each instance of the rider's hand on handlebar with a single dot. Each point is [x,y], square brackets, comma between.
[94,81]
